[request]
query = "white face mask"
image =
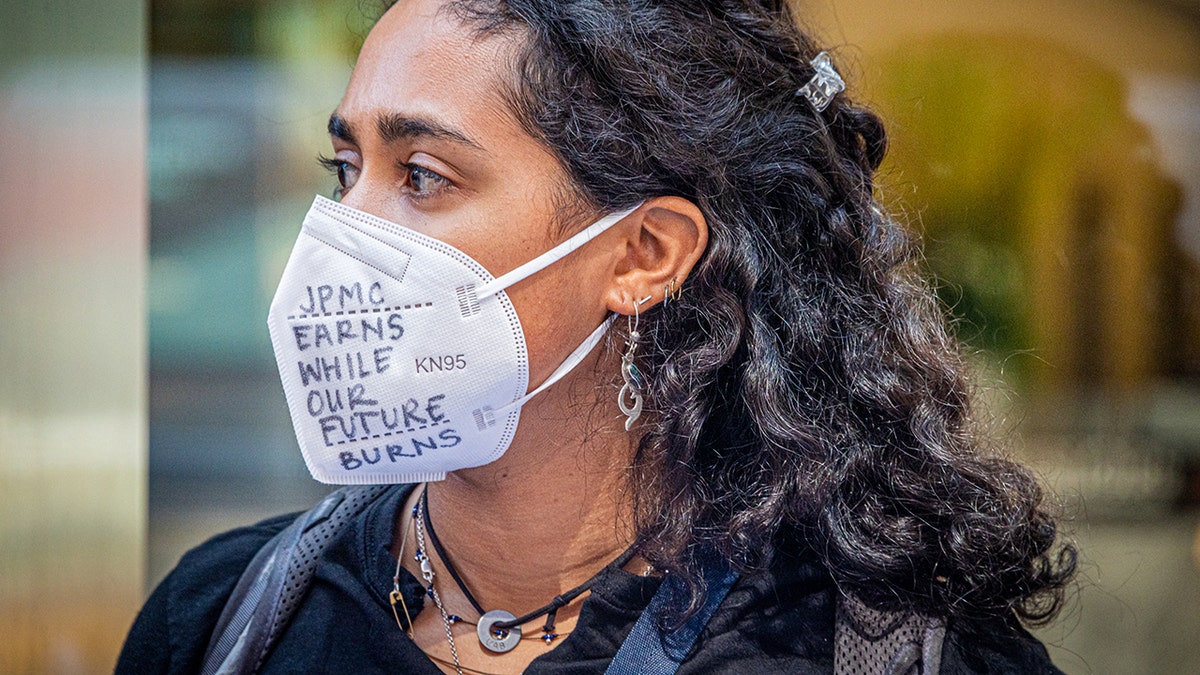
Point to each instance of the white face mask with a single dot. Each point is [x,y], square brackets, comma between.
[402,358]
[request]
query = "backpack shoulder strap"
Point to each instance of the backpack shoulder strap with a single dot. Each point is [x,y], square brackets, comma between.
[892,643]
[649,651]
[273,584]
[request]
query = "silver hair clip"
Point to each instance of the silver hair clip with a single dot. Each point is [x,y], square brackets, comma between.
[824,85]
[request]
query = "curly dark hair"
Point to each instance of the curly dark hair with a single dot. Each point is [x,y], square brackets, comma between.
[805,388]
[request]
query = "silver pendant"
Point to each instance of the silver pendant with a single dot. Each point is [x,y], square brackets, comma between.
[632,389]
[498,640]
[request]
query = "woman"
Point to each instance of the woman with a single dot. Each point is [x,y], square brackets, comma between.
[792,407]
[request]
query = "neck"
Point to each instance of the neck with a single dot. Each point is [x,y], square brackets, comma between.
[549,514]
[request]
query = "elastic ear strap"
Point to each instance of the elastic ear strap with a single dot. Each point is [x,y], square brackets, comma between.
[566,366]
[553,255]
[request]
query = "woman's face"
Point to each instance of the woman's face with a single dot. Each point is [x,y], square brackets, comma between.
[423,138]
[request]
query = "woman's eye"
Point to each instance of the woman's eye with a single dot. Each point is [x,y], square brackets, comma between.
[347,174]
[424,182]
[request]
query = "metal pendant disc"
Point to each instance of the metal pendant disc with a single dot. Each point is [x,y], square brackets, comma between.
[497,640]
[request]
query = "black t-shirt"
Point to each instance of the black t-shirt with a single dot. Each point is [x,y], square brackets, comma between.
[779,621]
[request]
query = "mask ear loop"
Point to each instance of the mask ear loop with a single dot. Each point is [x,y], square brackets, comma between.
[634,383]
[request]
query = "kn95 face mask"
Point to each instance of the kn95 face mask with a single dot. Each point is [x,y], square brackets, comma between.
[401,357]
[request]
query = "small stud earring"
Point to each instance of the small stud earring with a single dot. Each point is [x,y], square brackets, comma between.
[634,383]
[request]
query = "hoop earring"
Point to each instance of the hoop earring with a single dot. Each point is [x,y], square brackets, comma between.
[671,293]
[629,371]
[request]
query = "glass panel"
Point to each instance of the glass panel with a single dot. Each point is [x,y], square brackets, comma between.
[239,98]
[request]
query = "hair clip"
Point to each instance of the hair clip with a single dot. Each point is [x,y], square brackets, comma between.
[824,85]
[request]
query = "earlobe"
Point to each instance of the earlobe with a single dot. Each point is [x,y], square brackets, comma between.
[665,239]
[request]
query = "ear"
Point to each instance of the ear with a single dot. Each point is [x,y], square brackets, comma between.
[663,239]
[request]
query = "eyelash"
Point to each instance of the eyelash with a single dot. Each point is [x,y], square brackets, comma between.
[427,174]
[334,167]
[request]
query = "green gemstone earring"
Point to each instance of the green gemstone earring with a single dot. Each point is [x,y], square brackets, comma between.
[634,383]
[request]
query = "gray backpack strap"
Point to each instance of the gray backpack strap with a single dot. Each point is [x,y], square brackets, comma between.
[275,581]
[890,643]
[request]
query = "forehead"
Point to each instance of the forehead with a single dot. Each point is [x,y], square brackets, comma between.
[421,60]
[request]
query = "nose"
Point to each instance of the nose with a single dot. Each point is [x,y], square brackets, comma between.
[376,193]
[367,196]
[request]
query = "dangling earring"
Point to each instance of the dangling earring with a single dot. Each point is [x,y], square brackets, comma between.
[629,371]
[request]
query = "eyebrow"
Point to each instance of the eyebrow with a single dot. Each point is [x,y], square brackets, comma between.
[339,128]
[393,127]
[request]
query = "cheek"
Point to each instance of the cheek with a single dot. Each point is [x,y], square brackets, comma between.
[559,307]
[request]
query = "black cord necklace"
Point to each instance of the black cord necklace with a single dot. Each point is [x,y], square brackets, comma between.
[499,630]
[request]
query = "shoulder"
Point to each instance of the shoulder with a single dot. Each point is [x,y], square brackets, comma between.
[784,619]
[172,630]
[777,619]
[999,646]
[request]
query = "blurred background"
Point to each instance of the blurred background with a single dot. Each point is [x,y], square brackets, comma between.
[158,159]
